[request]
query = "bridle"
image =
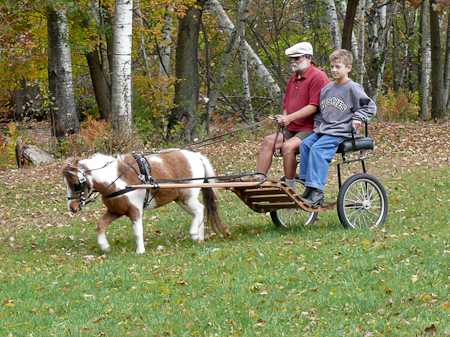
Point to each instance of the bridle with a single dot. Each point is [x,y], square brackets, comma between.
[79,187]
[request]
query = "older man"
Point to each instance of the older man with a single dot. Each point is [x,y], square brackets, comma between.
[300,103]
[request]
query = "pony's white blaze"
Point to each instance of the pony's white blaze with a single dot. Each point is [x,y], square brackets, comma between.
[108,175]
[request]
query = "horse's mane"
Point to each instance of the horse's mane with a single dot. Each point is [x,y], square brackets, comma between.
[101,156]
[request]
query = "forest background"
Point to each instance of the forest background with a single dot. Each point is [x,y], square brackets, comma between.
[109,75]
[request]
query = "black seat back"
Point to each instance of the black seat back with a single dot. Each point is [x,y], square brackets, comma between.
[356,143]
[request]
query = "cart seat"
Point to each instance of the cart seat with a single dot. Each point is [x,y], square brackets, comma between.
[356,144]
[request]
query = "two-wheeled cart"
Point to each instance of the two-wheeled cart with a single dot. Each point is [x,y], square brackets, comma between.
[361,202]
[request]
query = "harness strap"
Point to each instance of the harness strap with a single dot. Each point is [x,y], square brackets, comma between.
[146,178]
[119,192]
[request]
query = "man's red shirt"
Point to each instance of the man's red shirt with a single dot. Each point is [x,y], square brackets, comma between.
[302,91]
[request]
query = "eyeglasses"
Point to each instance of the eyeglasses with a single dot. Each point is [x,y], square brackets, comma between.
[297,58]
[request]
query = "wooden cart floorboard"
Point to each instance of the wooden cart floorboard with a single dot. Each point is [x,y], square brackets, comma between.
[261,197]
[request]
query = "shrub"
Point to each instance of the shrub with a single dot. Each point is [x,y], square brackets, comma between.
[398,106]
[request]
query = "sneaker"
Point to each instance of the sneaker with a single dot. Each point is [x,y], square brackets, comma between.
[306,193]
[315,197]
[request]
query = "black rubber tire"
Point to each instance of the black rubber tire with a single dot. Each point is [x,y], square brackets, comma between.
[362,202]
[288,217]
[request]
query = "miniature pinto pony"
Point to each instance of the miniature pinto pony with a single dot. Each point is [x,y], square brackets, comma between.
[110,177]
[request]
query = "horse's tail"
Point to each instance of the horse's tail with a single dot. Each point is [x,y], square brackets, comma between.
[211,200]
[209,172]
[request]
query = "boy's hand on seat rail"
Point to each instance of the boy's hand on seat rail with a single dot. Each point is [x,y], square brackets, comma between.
[356,125]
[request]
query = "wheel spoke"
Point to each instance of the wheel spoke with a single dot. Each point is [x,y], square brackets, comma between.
[362,202]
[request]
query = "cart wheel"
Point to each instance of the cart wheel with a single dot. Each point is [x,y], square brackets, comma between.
[288,217]
[362,202]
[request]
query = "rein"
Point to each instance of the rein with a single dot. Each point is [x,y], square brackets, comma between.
[279,154]
[213,140]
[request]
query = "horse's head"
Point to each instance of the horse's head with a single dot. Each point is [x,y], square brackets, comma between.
[77,186]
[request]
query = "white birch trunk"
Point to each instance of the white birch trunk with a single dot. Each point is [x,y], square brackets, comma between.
[426,61]
[235,38]
[121,77]
[245,83]
[361,38]
[165,46]
[335,30]
[254,60]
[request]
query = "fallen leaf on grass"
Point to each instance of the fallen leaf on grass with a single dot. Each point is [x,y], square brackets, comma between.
[265,291]
[445,306]
[431,329]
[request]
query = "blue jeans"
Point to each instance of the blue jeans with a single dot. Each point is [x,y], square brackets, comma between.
[316,153]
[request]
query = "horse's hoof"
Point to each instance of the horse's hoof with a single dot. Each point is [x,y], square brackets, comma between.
[197,238]
[106,249]
[140,251]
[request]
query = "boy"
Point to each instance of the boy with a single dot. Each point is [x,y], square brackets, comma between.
[344,106]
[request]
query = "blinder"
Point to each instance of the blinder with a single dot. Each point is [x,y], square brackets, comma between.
[79,187]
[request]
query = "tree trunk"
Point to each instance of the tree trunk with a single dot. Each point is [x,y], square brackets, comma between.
[425,61]
[437,70]
[184,115]
[64,116]
[109,35]
[100,76]
[333,23]
[165,47]
[348,24]
[263,73]
[379,23]
[246,84]
[354,43]
[121,75]
[447,66]
[236,35]
[20,99]
[361,39]
[99,84]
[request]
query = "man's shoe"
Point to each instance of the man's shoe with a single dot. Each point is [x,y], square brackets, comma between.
[315,198]
[306,193]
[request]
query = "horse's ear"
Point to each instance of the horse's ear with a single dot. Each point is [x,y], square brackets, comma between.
[69,162]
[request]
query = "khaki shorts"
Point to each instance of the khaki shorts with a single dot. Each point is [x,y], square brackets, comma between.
[301,134]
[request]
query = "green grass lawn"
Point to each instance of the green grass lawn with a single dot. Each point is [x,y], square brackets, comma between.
[321,280]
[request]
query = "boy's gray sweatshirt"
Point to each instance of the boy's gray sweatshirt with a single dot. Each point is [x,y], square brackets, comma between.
[340,104]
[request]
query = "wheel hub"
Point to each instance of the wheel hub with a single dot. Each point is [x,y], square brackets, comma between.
[366,204]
